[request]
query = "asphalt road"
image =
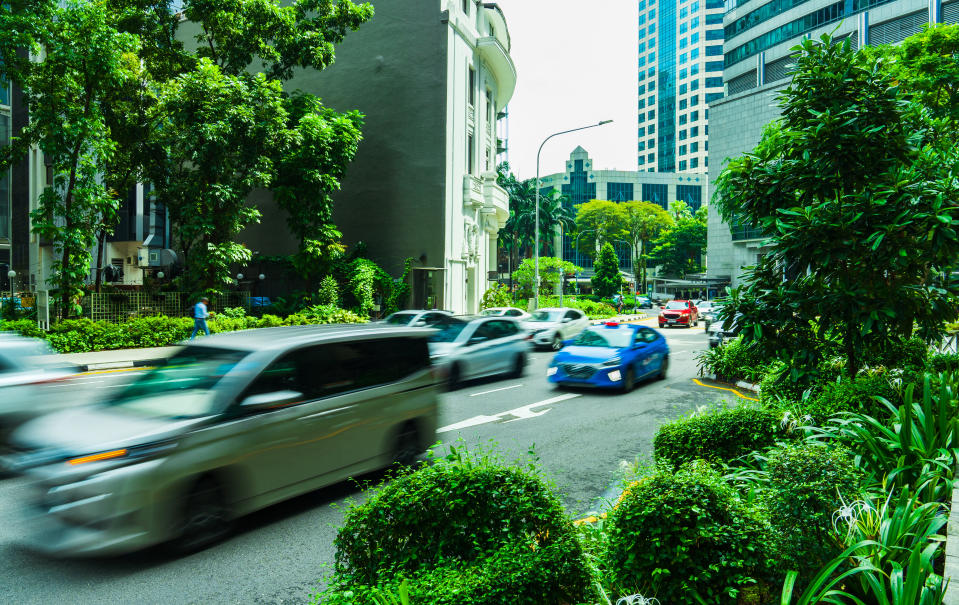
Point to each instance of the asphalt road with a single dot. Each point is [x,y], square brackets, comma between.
[280,555]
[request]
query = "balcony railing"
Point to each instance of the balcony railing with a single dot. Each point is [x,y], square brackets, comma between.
[746,231]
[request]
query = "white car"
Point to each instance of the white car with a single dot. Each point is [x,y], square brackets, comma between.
[517,314]
[475,347]
[417,318]
[550,327]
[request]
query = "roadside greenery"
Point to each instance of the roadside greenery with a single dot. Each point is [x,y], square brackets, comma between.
[551,272]
[607,279]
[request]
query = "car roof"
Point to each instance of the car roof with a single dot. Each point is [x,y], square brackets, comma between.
[558,309]
[293,336]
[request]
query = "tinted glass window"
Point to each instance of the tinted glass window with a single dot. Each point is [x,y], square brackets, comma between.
[513,313]
[646,335]
[487,331]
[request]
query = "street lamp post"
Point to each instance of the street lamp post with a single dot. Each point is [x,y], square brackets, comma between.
[536,226]
[11,274]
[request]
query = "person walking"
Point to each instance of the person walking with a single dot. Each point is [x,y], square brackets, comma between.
[200,314]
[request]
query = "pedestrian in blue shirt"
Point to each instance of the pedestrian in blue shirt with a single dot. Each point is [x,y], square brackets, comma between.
[199,317]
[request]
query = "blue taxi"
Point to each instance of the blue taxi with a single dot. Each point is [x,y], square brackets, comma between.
[611,355]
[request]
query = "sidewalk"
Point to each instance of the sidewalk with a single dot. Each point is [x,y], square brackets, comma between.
[118,358]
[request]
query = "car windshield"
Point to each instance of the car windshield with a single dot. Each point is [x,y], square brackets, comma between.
[184,387]
[448,331]
[605,337]
[400,319]
[542,315]
[675,305]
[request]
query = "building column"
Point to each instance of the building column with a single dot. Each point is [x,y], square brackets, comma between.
[863,27]
[760,69]
[935,11]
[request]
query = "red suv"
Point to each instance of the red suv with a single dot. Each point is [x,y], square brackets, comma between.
[679,313]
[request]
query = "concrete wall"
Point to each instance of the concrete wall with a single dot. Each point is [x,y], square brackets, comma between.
[393,70]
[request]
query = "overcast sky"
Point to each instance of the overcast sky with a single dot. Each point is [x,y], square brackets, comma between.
[576,65]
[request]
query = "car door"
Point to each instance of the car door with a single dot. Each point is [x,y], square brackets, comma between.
[652,350]
[576,324]
[482,348]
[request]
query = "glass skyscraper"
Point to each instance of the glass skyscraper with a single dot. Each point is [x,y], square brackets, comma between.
[680,71]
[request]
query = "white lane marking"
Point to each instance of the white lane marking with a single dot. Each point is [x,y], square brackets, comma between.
[520,413]
[74,384]
[515,386]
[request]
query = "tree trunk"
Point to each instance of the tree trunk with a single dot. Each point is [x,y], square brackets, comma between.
[101,238]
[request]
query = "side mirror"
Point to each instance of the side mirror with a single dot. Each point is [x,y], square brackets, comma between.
[268,401]
[476,340]
[419,323]
[566,320]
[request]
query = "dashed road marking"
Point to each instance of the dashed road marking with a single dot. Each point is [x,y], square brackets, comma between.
[515,386]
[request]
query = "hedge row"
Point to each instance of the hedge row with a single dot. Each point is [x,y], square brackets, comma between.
[85,335]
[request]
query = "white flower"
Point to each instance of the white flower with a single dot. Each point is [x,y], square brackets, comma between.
[637,599]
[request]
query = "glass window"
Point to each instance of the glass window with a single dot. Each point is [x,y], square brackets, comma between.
[652,14]
[683,73]
[694,69]
[682,165]
[693,116]
[642,62]
[652,86]
[655,193]
[652,28]
[682,89]
[641,146]
[651,100]
[693,147]
[714,34]
[471,94]
[694,131]
[695,22]
[694,162]
[651,114]
[694,85]
[710,97]
[682,104]
[652,71]
[684,12]
[466,6]
[652,128]
[682,135]
[694,100]
[642,18]
[683,42]
[682,118]
[652,57]
[714,82]
[683,28]
[651,157]
[694,53]
[714,66]
[682,150]
[694,38]
[683,58]
[715,19]
[694,7]
[714,50]
[642,89]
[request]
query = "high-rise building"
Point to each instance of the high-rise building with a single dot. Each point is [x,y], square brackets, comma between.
[759,41]
[680,71]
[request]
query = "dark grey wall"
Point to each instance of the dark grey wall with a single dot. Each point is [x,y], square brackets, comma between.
[393,70]
[20,192]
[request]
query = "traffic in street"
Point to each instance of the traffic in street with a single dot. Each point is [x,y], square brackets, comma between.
[279,553]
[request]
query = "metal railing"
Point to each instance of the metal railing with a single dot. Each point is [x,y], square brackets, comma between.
[745,231]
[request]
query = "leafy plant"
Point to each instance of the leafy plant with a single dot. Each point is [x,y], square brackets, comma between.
[734,360]
[551,271]
[497,295]
[481,530]
[844,395]
[684,537]
[329,293]
[607,279]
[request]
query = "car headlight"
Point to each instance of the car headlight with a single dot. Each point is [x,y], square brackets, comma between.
[550,371]
[613,361]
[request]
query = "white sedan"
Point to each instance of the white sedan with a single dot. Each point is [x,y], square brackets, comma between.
[517,314]
[550,327]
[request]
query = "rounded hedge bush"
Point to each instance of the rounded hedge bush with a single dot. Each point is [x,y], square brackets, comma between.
[473,521]
[807,485]
[718,436]
[680,535]
[857,395]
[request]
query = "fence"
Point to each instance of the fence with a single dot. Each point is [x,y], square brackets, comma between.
[120,306]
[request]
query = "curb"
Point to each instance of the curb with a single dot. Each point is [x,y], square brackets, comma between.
[742,384]
[119,365]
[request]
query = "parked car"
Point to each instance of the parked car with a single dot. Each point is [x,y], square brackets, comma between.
[611,355]
[417,318]
[719,332]
[550,327]
[679,313]
[229,425]
[644,302]
[29,372]
[517,314]
[475,347]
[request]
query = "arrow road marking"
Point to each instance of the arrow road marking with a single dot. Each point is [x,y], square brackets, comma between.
[520,413]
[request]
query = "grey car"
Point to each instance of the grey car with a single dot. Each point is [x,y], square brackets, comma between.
[31,376]
[417,318]
[229,425]
[719,332]
[475,347]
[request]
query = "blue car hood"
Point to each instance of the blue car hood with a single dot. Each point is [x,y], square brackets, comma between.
[573,353]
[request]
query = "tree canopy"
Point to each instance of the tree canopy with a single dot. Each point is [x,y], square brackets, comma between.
[680,246]
[607,280]
[856,187]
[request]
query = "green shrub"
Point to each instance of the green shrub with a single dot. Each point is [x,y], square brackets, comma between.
[717,436]
[233,312]
[777,389]
[469,522]
[593,310]
[269,321]
[857,395]
[684,535]
[808,483]
[329,292]
[24,327]
[329,314]
[497,296]
[734,361]
[943,362]
[904,354]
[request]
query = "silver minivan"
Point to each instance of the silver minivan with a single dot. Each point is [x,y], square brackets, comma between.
[230,424]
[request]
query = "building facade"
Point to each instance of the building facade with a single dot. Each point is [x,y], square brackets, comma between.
[680,72]
[759,37]
[423,183]
[580,183]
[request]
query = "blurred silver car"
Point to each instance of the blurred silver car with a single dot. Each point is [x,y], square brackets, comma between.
[229,425]
[517,314]
[550,327]
[416,319]
[475,347]
[29,369]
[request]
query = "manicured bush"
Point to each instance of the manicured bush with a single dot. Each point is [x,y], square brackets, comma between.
[593,310]
[469,522]
[943,362]
[808,483]
[904,354]
[717,436]
[329,292]
[685,537]
[497,296]
[25,327]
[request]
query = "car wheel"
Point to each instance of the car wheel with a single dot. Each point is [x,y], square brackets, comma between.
[661,326]
[205,518]
[519,366]
[454,378]
[629,380]
[407,446]
[663,368]
[557,343]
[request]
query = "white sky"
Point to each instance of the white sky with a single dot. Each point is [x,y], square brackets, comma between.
[576,65]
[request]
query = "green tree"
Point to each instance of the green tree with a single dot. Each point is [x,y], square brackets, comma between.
[551,272]
[642,223]
[679,248]
[858,200]
[79,61]
[607,279]
[599,221]
[519,234]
